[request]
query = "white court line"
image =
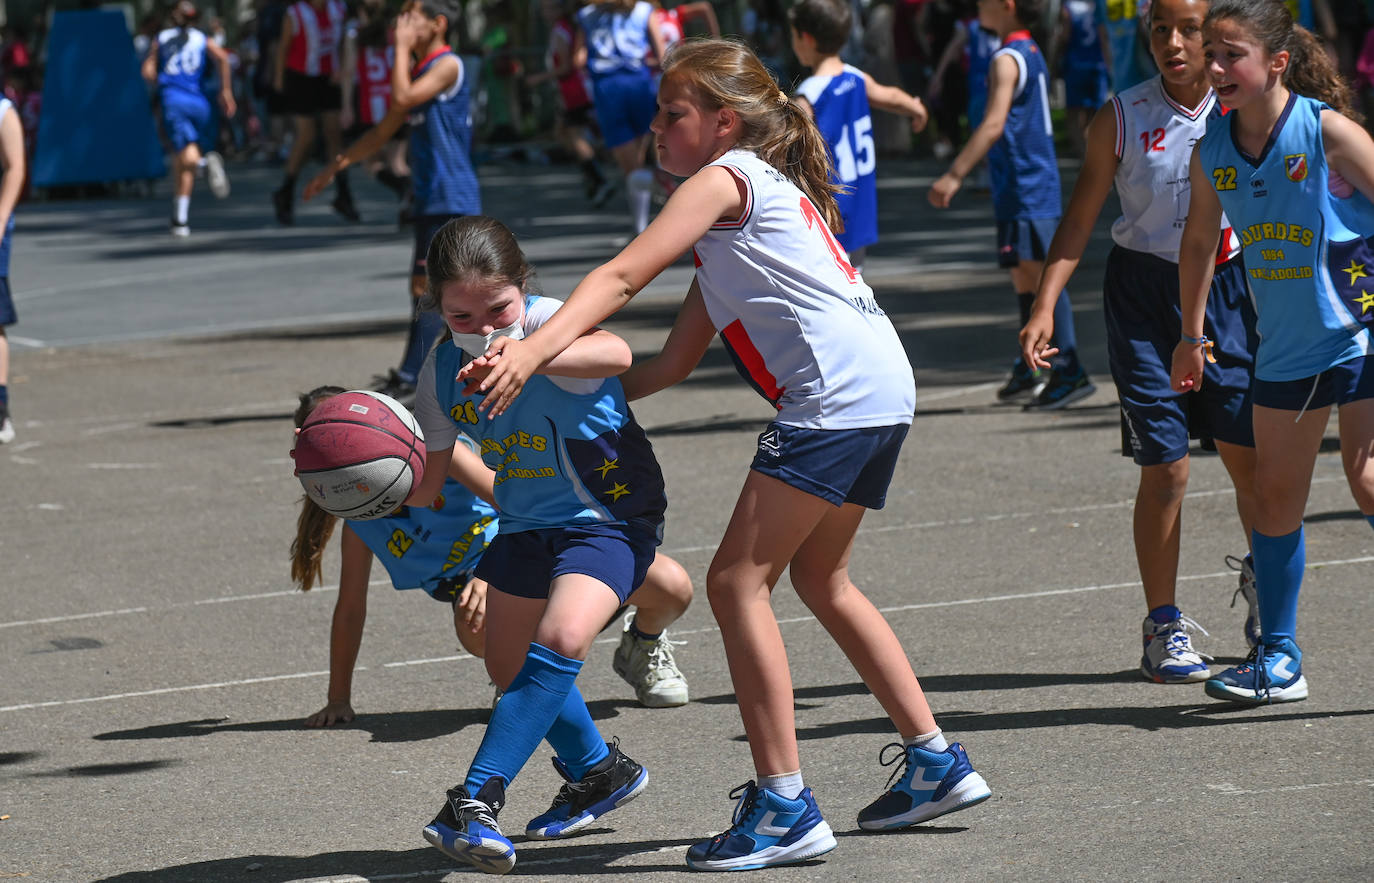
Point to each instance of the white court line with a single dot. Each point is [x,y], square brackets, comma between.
[800,619]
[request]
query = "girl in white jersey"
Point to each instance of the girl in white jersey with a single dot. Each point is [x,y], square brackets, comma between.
[1142,140]
[806,332]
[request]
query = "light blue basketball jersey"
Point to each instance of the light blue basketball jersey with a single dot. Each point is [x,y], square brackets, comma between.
[561,458]
[841,108]
[423,546]
[617,42]
[441,147]
[180,60]
[1122,21]
[1021,164]
[1309,271]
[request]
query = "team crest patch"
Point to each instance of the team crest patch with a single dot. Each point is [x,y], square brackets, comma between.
[1295,166]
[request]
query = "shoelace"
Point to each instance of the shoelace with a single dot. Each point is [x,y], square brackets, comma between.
[903,756]
[1238,565]
[569,790]
[1179,641]
[469,807]
[660,656]
[743,809]
[1255,662]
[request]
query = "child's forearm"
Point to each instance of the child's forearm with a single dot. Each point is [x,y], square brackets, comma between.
[977,147]
[596,354]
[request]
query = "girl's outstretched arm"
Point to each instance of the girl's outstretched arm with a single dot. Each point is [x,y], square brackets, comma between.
[682,351]
[468,469]
[436,469]
[1349,151]
[1071,239]
[1197,253]
[711,195]
[346,630]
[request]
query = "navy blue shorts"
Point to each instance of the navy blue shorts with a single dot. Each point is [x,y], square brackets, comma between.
[838,465]
[1024,239]
[1351,381]
[1144,323]
[525,563]
[7,314]
[426,226]
[1085,87]
[625,106]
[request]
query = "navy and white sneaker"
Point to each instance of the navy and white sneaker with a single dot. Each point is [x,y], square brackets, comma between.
[1169,657]
[927,784]
[466,830]
[614,782]
[1273,673]
[1246,589]
[767,829]
[1024,381]
[1064,387]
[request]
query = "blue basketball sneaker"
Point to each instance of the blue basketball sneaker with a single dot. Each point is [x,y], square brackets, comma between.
[768,829]
[614,782]
[928,784]
[466,830]
[1273,673]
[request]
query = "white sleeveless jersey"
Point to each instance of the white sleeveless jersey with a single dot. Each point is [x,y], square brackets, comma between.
[1154,142]
[802,326]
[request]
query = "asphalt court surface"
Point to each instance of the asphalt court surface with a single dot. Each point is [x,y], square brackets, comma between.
[157,664]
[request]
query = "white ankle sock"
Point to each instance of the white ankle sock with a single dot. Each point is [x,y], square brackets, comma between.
[639,188]
[181,208]
[787,785]
[930,741]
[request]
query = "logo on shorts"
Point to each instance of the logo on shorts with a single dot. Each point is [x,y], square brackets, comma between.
[769,443]
[1295,166]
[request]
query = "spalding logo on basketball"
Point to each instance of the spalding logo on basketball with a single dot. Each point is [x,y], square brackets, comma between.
[359,454]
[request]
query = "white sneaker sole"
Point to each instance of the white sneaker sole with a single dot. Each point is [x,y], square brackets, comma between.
[972,790]
[488,856]
[6,431]
[215,175]
[1294,692]
[818,841]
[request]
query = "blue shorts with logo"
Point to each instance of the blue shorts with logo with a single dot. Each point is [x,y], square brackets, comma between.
[838,465]
[525,563]
[1144,322]
[1024,239]
[1351,381]
[625,105]
[184,117]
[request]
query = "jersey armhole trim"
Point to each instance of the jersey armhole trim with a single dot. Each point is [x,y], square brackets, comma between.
[1120,126]
[745,213]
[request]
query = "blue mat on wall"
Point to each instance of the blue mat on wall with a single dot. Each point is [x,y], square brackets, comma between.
[96,123]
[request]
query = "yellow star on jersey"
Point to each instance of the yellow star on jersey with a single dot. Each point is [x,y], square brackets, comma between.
[617,491]
[1355,270]
[607,466]
[1366,301]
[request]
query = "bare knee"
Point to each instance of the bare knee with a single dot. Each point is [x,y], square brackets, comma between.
[1166,483]
[571,643]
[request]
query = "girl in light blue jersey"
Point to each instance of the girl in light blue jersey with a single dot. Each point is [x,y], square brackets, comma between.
[581,500]
[1308,257]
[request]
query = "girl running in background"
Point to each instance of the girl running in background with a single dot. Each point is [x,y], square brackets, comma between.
[581,501]
[1308,256]
[436,548]
[176,64]
[614,38]
[807,333]
[1141,141]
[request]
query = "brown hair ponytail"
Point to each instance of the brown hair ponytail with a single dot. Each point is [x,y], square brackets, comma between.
[314,526]
[1310,71]
[727,74]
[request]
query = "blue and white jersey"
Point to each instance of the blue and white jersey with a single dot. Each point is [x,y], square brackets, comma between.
[567,452]
[1309,272]
[979,50]
[1022,164]
[617,42]
[441,147]
[180,60]
[423,546]
[1083,49]
[841,108]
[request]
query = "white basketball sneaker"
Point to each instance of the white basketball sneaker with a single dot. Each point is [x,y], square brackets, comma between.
[649,667]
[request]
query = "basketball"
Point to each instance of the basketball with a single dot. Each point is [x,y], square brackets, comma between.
[359,454]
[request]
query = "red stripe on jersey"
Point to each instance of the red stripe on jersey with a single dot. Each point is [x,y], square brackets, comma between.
[1228,247]
[751,360]
[696,258]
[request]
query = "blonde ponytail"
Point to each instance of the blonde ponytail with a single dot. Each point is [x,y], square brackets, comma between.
[314,526]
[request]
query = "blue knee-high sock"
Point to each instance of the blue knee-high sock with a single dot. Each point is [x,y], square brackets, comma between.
[1064,335]
[574,738]
[425,328]
[1279,562]
[523,716]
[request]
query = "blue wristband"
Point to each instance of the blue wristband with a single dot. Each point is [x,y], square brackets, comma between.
[1196,341]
